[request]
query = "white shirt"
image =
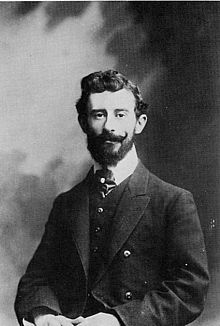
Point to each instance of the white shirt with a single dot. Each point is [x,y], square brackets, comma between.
[124,168]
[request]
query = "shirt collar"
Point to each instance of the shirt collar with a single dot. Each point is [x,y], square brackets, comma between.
[124,168]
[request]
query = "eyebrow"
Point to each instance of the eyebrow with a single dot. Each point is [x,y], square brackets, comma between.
[117,110]
[122,109]
[96,110]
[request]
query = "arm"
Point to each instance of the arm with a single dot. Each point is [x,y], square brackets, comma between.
[34,290]
[179,298]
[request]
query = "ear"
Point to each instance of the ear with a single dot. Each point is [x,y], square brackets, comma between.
[140,124]
[83,123]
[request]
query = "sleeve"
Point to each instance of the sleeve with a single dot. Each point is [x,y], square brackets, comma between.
[180,296]
[33,289]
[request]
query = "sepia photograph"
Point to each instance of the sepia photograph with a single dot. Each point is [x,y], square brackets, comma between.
[109,163]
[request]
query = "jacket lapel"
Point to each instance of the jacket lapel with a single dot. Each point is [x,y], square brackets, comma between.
[80,222]
[129,212]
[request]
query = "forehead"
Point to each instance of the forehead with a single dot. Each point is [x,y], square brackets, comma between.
[112,100]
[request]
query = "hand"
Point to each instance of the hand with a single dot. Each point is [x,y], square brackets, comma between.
[100,319]
[51,320]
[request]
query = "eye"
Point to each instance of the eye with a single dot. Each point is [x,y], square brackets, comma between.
[98,115]
[120,115]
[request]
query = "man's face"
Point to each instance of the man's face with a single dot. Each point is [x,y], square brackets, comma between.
[111,125]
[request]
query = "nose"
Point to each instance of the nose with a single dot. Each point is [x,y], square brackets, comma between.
[110,123]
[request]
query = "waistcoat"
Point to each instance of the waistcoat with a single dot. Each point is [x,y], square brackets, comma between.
[101,213]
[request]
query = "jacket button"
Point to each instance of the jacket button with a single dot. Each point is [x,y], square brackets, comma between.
[127,253]
[128,295]
[97,229]
[95,250]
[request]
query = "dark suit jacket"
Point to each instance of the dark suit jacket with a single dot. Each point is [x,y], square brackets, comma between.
[163,281]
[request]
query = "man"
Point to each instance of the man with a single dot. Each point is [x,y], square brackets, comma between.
[122,247]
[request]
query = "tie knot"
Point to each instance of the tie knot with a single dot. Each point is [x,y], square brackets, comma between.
[106,181]
[104,176]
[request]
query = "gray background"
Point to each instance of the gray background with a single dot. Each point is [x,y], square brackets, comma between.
[171,49]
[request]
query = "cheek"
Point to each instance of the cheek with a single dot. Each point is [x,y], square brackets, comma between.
[95,127]
[130,128]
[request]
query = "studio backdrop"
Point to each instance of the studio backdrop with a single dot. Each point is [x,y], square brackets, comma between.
[170,49]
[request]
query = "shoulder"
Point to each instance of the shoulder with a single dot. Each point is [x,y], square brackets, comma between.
[158,185]
[163,193]
[170,201]
[74,194]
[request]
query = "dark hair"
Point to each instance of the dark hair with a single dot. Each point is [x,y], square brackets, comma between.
[109,80]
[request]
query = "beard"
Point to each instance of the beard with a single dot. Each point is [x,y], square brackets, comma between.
[102,147]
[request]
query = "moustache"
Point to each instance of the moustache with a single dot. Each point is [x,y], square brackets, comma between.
[108,136]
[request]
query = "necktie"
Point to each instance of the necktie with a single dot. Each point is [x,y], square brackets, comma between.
[105,181]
